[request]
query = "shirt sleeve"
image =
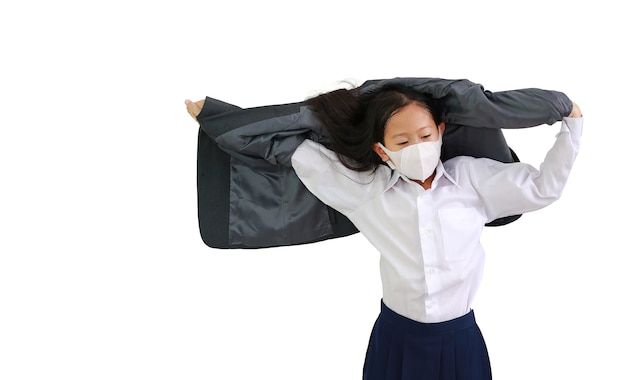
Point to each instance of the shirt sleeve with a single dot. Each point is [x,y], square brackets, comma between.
[328,179]
[515,188]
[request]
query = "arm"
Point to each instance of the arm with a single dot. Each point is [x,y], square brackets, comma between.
[469,104]
[508,189]
[266,135]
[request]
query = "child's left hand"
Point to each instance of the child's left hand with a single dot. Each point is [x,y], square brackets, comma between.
[576,112]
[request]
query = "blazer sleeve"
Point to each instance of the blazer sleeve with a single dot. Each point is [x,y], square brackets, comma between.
[262,136]
[469,104]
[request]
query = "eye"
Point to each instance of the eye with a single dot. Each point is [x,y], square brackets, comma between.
[403,143]
[427,136]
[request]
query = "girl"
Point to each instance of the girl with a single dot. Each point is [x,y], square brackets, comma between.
[382,170]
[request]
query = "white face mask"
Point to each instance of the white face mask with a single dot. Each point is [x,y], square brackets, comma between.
[417,161]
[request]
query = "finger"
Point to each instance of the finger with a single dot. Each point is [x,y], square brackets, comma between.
[200,103]
[192,108]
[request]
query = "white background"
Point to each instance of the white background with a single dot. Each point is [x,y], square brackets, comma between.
[103,274]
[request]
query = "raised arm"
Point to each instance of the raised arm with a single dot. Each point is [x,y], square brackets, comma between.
[509,189]
[469,104]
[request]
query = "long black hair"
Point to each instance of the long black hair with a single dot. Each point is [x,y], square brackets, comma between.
[354,122]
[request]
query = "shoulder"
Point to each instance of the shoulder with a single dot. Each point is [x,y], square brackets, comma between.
[311,156]
[309,148]
[466,167]
[326,177]
[460,164]
[314,156]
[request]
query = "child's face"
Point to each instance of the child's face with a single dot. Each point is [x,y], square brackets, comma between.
[410,125]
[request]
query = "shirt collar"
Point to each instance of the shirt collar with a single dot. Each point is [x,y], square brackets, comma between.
[440,172]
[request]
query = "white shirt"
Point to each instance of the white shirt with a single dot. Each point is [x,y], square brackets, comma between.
[431,257]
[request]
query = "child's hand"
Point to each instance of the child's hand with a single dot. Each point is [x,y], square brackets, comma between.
[575,111]
[194,108]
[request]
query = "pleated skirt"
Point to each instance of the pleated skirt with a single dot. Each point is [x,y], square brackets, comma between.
[403,349]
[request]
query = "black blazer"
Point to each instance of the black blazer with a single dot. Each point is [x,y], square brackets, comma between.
[250,197]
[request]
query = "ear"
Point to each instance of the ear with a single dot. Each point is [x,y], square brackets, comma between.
[442,127]
[380,152]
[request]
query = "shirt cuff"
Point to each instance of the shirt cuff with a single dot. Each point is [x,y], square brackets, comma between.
[573,125]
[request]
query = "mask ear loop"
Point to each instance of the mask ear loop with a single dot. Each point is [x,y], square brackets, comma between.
[388,162]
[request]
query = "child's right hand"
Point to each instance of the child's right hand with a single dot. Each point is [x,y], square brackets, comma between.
[194,108]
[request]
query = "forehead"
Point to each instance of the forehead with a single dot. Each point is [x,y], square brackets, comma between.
[409,119]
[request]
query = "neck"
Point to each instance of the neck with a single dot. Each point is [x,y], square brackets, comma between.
[427,183]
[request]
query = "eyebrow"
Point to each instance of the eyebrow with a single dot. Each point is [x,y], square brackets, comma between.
[405,133]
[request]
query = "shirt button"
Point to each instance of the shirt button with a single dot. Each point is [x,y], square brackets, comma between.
[431,271]
[429,304]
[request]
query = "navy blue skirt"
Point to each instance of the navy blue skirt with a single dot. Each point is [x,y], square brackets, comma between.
[403,349]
